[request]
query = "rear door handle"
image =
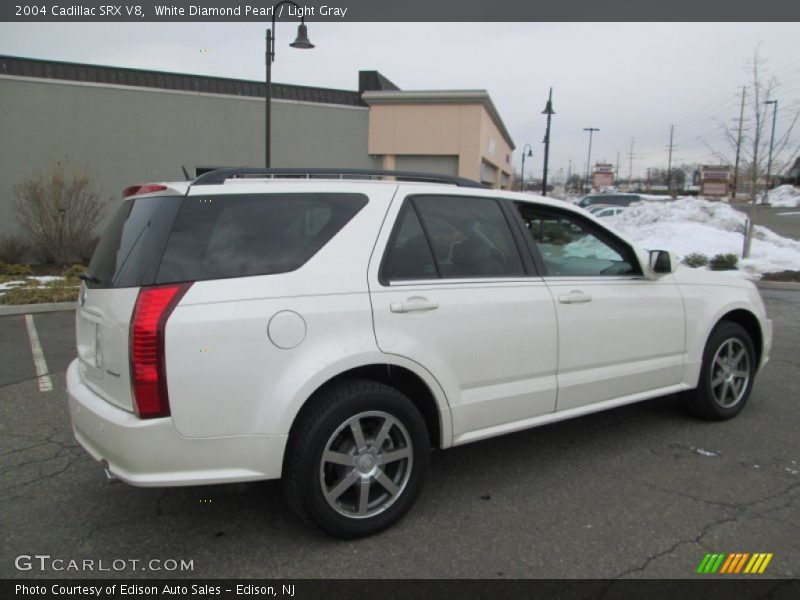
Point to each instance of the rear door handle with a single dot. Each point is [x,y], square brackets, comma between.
[413,304]
[574,297]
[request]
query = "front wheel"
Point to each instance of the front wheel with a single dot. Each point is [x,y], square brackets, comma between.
[727,374]
[357,459]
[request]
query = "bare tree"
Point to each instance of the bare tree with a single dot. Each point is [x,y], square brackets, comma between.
[59,211]
[756,139]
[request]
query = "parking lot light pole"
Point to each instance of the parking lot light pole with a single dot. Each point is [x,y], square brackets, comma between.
[771,141]
[548,110]
[591,130]
[522,172]
[301,42]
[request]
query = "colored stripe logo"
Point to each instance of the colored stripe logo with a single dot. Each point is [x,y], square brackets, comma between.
[737,562]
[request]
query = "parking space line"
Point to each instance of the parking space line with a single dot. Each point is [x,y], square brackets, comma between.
[45,383]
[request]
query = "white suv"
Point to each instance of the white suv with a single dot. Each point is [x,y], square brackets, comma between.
[330,330]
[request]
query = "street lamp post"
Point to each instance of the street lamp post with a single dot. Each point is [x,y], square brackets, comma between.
[301,42]
[771,142]
[522,172]
[548,110]
[591,131]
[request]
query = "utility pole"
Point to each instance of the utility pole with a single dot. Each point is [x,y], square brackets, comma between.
[591,131]
[669,162]
[738,147]
[569,175]
[616,173]
[548,110]
[630,165]
[748,239]
[771,141]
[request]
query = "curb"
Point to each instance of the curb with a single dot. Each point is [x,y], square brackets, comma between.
[25,309]
[778,285]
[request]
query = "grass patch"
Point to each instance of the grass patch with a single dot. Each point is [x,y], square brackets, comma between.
[782,276]
[695,260]
[39,295]
[32,291]
[15,270]
[10,278]
[724,262]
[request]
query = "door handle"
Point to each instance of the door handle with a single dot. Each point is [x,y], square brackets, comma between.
[574,297]
[413,304]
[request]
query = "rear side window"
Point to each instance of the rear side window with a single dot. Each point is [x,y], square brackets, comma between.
[409,255]
[242,235]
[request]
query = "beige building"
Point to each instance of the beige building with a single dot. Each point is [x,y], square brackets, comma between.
[123,126]
[453,132]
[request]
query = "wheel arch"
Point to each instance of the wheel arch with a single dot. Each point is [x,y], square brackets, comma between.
[402,378]
[751,325]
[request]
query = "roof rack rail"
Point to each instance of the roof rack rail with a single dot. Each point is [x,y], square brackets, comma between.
[219,176]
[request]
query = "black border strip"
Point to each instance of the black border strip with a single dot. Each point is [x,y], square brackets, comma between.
[710,587]
[407,11]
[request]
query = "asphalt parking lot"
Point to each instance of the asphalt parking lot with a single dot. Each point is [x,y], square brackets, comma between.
[641,491]
[783,221]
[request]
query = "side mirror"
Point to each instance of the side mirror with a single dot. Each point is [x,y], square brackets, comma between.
[662,261]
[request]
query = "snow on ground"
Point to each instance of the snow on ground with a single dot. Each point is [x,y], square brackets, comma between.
[698,225]
[783,196]
[23,281]
[11,284]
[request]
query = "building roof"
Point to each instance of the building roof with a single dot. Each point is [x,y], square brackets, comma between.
[440,97]
[50,69]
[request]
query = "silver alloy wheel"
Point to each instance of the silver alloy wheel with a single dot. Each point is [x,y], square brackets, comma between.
[366,464]
[730,373]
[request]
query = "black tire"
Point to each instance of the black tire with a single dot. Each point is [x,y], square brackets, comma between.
[327,426]
[704,401]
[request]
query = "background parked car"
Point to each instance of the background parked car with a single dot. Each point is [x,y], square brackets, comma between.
[609,199]
[608,211]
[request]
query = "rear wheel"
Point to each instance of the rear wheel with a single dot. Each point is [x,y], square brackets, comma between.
[727,374]
[357,459]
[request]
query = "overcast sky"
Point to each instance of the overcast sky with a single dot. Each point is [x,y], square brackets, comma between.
[628,80]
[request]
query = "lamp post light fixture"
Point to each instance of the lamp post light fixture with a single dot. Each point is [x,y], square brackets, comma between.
[522,172]
[301,42]
[771,141]
[591,130]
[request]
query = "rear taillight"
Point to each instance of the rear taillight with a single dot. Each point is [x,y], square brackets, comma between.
[148,369]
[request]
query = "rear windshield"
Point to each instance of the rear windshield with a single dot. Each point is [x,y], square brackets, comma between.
[130,248]
[216,237]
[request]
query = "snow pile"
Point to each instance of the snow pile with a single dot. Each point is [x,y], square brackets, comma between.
[783,196]
[697,225]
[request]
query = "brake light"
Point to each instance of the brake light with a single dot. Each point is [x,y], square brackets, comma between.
[148,369]
[145,188]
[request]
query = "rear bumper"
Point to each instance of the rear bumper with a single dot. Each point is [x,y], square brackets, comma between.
[152,453]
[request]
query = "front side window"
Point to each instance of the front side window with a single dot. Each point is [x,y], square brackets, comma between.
[572,246]
[464,237]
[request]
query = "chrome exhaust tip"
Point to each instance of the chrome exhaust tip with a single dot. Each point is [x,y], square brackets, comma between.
[110,477]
